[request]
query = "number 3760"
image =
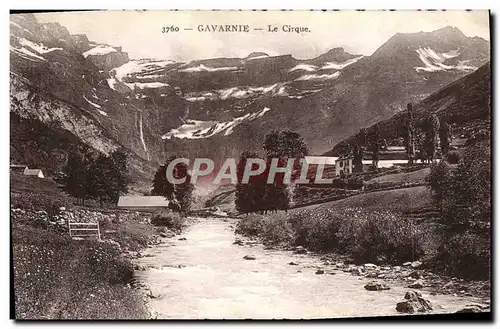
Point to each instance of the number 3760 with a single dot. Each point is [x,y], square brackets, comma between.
[171,28]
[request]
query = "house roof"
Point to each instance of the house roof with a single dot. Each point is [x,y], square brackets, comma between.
[18,166]
[142,201]
[34,172]
[320,160]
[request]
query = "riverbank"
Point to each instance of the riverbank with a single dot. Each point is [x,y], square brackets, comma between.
[57,277]
[379,245]
[206,273]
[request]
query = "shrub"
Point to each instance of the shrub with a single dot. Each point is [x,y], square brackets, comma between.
[250,225]
[466,255]
[172,220]
[39,202]
[453,157]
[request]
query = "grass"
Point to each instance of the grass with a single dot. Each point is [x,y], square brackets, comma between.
[57,278]
[405,200]
[414,176]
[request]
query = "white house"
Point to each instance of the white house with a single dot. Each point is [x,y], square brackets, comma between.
[33,172]
[316,160]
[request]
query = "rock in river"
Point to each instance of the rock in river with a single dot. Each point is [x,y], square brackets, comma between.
[374,286]
[320,271]
[416,285]
[413,303]
[249,257]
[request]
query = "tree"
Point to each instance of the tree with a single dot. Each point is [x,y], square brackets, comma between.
[410,134]
[431,142]
[179,195]
[359,150]
[73,176]
[375,145]
[445,138]
[247,195]
[282,145]
[94,175]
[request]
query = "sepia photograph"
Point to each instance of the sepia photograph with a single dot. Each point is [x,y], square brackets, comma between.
[250,164]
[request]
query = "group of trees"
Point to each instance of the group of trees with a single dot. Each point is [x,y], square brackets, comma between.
[427,141]
[91,175]
[370,141]
[180,196]
[462,194]
[259,196]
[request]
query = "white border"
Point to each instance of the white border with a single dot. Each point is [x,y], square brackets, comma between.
[200,4]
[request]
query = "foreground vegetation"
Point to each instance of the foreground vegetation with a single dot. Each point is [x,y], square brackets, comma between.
[56,277]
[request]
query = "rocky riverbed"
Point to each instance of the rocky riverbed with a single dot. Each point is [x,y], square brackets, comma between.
[208,272]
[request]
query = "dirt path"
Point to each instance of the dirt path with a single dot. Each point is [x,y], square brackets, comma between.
[206,276]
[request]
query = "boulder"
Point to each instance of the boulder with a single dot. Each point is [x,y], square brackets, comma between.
[182,239]
[414,303]
[293,263]
[375,286]
[470,309]
[406,264]
[416,275]
[320,271]
[416,264]
[249,257]
[370,266]
[416,285]
[300,250]
[238,242]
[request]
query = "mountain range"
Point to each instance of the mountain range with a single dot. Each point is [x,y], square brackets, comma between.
[96,95]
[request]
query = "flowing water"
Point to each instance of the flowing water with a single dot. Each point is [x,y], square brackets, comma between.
[205,276]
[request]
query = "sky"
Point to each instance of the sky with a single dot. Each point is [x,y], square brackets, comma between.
[358,32]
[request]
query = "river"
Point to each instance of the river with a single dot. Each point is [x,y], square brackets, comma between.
[206,277]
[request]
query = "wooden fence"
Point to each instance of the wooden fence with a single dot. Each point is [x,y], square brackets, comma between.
[84,230]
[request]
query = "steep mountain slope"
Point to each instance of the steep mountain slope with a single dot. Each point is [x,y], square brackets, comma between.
[222,106]
[465,104]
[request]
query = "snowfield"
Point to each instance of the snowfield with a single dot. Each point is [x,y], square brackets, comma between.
[434,61]
[340,66]
[99,50]
[304,67]
[142,66]
[240,92]
[308,77]
[196,129]
[203,68]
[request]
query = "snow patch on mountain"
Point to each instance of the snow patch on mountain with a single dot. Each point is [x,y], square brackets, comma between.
[26,54]
[308,77]
[203,68]
[434,61]
[41,49]
[197,129]
[240,92]
[112,82]
[340,66]
[304,67]
[142,66]
[97,106]
[99,50]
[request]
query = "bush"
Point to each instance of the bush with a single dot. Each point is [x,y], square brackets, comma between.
[466,255]
[250,225]
[453,157]
[38,202]
[366,236]
[172,220]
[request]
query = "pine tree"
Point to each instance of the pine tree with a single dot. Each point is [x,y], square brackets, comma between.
[445,138]
[410,137]
[375,145]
